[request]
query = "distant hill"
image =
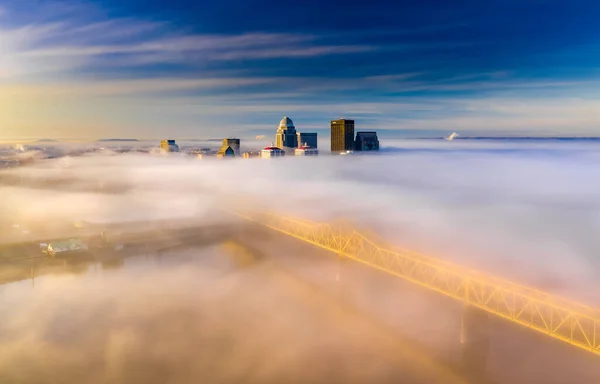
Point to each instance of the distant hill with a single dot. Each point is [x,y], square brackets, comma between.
[127,140]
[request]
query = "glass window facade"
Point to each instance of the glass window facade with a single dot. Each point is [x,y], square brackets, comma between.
[342,135]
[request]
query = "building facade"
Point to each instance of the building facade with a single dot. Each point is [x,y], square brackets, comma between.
[306,150]
[342,135]
[226,152]
[307,138]
[234,144]
[272,151]
[286,134]
[169,146]
[366,141]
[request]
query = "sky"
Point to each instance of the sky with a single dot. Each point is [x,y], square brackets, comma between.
[196,69]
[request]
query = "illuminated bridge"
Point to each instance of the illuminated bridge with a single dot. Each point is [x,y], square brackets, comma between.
[482,295]
[570,322]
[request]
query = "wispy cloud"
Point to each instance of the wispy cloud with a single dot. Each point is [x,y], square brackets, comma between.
[69,64]
[394,77]
[76,42]
[290,52]
[187,44]
[125,87]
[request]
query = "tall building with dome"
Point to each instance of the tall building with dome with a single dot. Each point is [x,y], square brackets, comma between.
[286,134]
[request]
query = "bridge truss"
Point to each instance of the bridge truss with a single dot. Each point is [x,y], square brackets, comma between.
[561,319]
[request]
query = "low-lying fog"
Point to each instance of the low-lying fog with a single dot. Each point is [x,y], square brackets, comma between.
[526,211]
[529,212]
[192,317]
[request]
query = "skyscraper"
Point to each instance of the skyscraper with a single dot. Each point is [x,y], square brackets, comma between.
[342,135]
[286,134]
[309,139]
[169,146]
[234,144]
[366,141]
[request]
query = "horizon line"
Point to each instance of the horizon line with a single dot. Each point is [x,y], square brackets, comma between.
[116,139]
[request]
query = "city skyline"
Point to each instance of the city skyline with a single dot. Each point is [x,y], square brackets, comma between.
[148,70]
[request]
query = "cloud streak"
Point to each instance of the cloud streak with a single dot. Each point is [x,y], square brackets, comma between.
[127,87]
[75,43]
[75,53]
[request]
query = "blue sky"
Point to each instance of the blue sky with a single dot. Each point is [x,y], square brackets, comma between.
[200,69]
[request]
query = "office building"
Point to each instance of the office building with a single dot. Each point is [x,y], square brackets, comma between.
[309,139]
[286,134]
[226,152]
[366,141]
[272,152]
[169,146]
[306,150]
[342,135]
[233,144]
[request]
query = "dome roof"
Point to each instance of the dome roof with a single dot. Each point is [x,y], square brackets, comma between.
[286,122]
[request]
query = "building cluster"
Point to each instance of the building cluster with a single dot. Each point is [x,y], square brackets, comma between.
[287,137]
[169,146]
[290,142]
[344,141]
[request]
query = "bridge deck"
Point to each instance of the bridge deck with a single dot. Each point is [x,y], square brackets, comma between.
[570,322]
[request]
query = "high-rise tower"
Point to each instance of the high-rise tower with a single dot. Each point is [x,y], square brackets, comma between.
[286,134]
[309,139]
[366,141]
[234,144]
[169,146]
[342,135]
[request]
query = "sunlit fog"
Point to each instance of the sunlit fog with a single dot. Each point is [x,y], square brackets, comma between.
[524,211]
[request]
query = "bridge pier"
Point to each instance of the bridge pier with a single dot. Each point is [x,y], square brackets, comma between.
[339,267]
[341,280]
[475,340]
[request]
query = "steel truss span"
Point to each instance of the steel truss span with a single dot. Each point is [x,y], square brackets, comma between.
[561,319]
